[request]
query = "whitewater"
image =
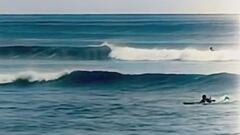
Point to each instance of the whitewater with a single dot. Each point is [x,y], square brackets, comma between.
[187,54]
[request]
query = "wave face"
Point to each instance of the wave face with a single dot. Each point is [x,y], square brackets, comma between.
[114,80]
[67,53]
[108,51]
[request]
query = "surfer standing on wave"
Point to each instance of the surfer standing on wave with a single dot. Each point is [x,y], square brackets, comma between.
[211,49]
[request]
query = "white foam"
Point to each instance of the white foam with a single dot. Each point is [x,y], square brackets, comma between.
[187,54]
[38,76]
[31,76]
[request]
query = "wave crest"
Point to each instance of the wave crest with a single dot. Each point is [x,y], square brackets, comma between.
[31,76]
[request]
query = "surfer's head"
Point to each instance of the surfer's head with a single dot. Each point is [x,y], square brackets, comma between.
[211,49]
[204,97]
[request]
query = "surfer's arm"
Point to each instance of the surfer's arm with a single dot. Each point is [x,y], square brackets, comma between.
[212,100]
[202,101]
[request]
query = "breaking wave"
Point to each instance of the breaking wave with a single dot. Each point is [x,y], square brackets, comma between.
[117,80]
[187,54]
[108,51]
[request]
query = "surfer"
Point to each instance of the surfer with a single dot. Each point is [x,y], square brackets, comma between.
[211,48]
[226,98]
[206,100]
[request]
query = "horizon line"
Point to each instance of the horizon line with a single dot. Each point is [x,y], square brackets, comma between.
[119,13]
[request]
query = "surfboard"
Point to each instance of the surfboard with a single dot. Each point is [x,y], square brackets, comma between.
[190,103]
[196,103]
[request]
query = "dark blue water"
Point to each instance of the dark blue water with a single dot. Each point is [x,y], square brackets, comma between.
[118,74]
[169,31]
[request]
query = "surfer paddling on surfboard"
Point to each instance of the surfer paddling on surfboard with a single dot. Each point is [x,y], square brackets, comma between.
[206,100]
[203,101]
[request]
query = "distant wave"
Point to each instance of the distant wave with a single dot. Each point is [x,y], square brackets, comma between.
[108,79]
[108,51]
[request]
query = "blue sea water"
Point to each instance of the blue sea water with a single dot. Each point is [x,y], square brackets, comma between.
[118,74]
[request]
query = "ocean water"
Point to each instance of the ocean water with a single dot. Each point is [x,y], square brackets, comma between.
[119,74]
